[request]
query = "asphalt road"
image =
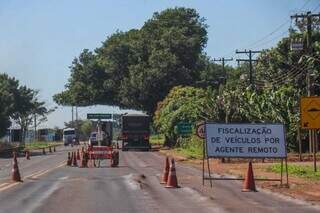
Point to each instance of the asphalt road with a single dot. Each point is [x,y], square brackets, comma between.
[50,186]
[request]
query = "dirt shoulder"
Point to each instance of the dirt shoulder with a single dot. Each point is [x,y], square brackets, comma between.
[302,188]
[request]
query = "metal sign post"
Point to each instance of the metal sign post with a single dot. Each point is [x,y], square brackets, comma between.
[310,119]
[99,132]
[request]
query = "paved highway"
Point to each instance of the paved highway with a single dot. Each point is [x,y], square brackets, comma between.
[50,186]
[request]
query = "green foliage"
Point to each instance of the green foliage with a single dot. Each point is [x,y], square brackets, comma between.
[183,104]
[18,103]
[274,106]
[157,139]
[136,69]
[8,95]
[85,128]
[191,147]
[297,170]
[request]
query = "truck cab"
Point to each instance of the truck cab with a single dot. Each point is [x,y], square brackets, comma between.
[135,132]
[69,135]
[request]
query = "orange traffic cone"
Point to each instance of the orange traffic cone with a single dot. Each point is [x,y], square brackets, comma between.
[248,184]
[172,177]
[27,155]
[78,154]
[69,161]
[74,162]
[114,158]
[164,178]
[15,170]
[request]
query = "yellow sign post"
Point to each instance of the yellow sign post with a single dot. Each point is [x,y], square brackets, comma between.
[310,112]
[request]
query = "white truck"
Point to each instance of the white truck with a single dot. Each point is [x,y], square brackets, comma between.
[69,135]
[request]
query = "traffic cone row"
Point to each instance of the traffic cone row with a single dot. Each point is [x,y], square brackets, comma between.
[78,154]
[69,161]
[83,159]
[169,176]
[15,174]
[164,178]
[27,153]
[74,160]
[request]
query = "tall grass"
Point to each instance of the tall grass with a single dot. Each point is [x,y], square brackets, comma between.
[303,171]
[190,147]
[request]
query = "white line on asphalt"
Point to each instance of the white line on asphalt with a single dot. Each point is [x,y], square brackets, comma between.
[44,196]
[4,184]
[34,175]
[64,178]
[9,186]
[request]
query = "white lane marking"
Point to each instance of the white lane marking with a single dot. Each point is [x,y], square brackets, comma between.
[64,178]
[9,186]
[195,195]
[4,184]
[44,196]
[130,182]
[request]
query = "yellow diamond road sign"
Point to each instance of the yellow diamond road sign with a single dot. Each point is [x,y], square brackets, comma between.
[310,112]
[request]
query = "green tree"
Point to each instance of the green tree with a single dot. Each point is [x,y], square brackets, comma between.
[136,69]
[85,128]
[183,104]
[8,94]
[28,105]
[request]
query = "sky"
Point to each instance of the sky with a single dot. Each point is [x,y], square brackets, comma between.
[39,39]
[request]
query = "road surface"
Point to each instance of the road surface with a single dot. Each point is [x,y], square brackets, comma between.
[50,186]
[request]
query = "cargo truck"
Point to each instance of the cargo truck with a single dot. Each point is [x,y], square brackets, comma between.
[135,132]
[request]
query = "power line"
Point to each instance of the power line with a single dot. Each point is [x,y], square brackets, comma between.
[223,60]
[293,73]
[288,73]
[317,7]
[250,53]
[268,41]
[252,45]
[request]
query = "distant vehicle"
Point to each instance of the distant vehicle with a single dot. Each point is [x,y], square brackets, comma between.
[135,132]
[107,131]
[93,139]
[69,136]
[105,140]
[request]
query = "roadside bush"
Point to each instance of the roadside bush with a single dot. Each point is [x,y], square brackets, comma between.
[183,104]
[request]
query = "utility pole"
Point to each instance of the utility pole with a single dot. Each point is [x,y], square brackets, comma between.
[77,123]
[223,60]
[72,116]
[250,54]
[35,127]
[313,143]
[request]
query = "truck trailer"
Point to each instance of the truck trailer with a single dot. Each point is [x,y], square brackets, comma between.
[135,132]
